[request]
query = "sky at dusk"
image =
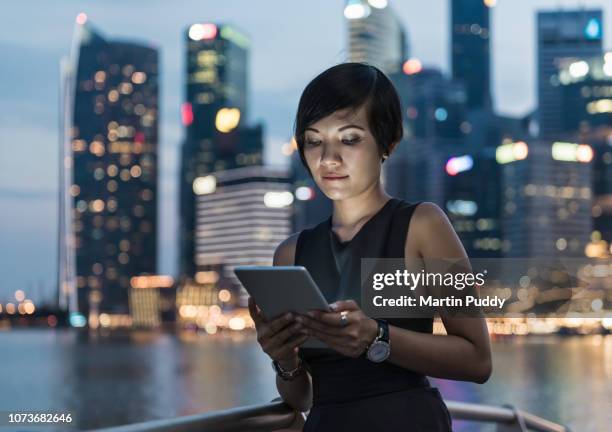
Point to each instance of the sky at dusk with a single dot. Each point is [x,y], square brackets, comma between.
[291,41]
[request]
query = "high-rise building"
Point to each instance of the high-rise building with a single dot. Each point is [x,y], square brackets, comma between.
[375,35]
[108,190]
[547,198]
[470,49]
[214,115]
[562,36]
[242,215]
[434,111]
[587,117]
[586,93]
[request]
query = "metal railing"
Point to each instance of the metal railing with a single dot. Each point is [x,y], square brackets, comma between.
[278,417]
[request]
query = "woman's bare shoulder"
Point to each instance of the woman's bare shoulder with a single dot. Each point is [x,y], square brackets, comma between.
[285,251]
[433,234]
[428,213]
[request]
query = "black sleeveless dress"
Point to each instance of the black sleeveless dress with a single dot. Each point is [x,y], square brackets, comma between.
[355,394]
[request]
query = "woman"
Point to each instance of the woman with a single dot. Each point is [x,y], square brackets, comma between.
[348,122]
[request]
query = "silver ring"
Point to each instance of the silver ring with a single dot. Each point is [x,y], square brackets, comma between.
[343,318]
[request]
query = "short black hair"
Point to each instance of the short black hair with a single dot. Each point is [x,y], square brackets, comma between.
[351,85]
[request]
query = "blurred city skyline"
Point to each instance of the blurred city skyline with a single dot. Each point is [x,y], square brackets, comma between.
[313,38]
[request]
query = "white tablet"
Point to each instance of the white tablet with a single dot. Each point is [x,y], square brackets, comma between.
[281,289]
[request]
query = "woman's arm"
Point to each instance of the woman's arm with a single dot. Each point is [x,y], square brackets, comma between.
[464,353]
[298,392]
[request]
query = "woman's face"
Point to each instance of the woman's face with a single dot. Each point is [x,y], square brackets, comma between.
[342,154]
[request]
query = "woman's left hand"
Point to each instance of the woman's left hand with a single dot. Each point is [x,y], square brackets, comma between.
[349,336]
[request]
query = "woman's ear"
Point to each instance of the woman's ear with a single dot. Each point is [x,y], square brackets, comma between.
[389,150]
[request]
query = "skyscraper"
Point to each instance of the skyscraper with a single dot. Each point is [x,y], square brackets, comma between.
[470,49]
[242,215]
[108,190]
[587,116]
[375,35]
[214,115]
[561,36]
[547,198]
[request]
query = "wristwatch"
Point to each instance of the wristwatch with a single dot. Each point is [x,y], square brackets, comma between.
[287,375]
[380,349]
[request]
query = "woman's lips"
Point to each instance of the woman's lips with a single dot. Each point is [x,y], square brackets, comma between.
[334,178]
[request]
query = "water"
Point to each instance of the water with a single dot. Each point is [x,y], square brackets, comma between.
[119,378]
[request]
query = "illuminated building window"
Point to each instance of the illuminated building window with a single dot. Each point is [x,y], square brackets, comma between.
[96,205]
[135,171]
[81,206]
[100,76]
[125,223]
[112,205]
[97,148]
[147,120]
[113,96]
[145,227]
[125,174]
[75,190]
[127,70]
[585,193]
[112,135]
[111,273]
[79,145]
[123,258]
[596,211]
[562,214]
[112,186]
[97,269]
[125,159]
[125,88]
[124,245]
[139,77]
[140,109]
[205,98]
[122,131]
[146,194]
[98,173]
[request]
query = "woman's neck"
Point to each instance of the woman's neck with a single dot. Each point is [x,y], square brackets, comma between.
[350,214]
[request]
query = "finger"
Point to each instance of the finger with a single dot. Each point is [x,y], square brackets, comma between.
[341,305]
[281,337]
[276,325]
[254,311]
[333,319]
[290,348]
[334,342]
[313,324]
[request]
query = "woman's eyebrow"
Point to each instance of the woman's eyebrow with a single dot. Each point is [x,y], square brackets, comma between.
[339,130]
[351,126]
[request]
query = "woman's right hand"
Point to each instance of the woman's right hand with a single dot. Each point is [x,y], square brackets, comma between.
[274,336]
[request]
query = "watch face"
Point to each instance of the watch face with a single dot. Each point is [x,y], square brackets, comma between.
[378,352]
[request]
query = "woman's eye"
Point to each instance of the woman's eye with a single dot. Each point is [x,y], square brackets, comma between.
[312,143]
[351,140]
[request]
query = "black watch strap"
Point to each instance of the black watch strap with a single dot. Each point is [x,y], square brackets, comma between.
[384,325]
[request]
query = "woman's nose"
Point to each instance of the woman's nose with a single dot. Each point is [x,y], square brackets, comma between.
[330,156]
